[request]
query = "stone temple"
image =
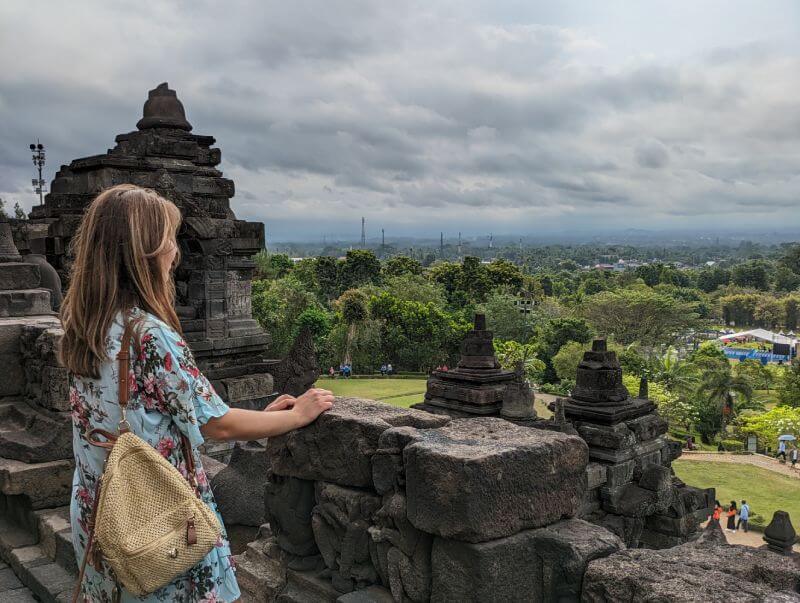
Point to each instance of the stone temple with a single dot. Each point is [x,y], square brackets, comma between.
[371,503]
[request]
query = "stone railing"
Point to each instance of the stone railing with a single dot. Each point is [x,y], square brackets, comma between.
[404,505]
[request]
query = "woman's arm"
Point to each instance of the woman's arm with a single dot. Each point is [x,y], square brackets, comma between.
[240,424]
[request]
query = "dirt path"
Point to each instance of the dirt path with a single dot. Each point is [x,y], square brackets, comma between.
[757,460]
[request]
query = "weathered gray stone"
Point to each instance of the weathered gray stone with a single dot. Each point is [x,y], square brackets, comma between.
[289,503]
[338,446]
[534,565]
[596,475]
[24,302]
[478,479]
[619,474]
[18,275]
[780,534]
[239,487]
[340,522]
[43,484]
[371,594]
[689,573]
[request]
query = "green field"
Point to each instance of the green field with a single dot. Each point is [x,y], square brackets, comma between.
[764,490]
[398,392]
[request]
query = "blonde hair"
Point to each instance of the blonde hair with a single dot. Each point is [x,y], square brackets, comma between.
[117,251]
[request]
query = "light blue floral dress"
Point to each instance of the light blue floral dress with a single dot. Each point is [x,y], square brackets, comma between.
[168,395]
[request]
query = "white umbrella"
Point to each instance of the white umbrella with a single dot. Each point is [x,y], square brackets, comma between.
[787,438]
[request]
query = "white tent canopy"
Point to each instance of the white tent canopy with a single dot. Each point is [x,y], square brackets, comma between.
[760,334]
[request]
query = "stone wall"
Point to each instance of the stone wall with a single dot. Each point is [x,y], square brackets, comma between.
[377,503]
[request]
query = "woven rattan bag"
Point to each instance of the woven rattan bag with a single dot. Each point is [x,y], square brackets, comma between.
[148,523]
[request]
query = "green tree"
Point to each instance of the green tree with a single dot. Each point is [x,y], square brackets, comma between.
[752,274]
[414,287]
[639,316]
[677,375]
[360,267]
[277,306]
[352,305]
[19,213]
[503,274]
[789,385]
[785,279]
[504,319]
[3,213]
[710,279]
[416,336]
[770,425]
[565,362]
[755,373]
[792,259]
[326,269]
[554,334]
[725,395]
[511,353]
[400,265]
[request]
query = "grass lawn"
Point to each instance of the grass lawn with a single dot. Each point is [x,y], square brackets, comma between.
[398,392]
[765,491]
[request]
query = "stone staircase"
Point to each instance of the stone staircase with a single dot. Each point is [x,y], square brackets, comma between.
[37,560]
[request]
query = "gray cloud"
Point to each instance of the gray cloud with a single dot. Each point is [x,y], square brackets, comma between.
[428,115]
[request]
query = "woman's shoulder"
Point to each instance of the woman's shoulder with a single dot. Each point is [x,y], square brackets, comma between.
[151,328]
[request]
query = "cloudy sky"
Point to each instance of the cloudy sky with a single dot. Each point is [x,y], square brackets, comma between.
[513,117]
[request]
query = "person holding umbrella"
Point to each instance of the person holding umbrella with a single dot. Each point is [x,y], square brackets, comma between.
[782,445]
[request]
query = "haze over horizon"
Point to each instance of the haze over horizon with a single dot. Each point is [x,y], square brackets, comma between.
[509,117]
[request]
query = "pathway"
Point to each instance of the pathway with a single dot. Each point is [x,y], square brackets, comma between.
[757,460]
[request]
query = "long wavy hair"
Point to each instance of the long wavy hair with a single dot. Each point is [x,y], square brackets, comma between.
[117,265]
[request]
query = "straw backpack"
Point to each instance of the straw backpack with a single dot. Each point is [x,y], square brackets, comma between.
[148,523]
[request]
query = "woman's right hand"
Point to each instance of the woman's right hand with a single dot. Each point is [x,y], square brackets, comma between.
[312,404]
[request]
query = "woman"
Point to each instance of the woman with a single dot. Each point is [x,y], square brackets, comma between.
[732,517]
[125,250]
[717,511]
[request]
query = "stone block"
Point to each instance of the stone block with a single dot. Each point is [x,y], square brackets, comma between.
[596,475]
[13,382]
[341,521]
[55,388]
[43,484]
[339,445]
[289,503]
[18,275]
[688,573]
[613,437]
[247,387]
[631,500]
[479,479]
[371,594]
[647,427]
[25,302]
[239,487]
[619,474]
[534,565]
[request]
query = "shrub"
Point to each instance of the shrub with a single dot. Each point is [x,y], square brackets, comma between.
[733,445]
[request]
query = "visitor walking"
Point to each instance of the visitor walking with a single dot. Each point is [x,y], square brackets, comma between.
[389,369]
[732,517]
[744,516]
[331,373]
[383,370]
[793,456]
[122,289]
[781,450]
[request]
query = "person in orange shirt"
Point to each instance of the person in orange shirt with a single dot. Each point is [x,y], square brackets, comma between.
[717,511]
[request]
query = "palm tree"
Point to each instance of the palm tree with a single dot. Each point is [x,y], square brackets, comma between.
[676,374]
[729,393]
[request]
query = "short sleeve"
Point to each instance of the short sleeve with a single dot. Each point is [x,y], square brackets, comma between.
[169,381]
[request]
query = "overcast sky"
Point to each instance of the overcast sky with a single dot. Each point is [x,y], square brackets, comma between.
[513,117]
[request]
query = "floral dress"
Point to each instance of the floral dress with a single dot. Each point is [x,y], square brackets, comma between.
[168,396]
